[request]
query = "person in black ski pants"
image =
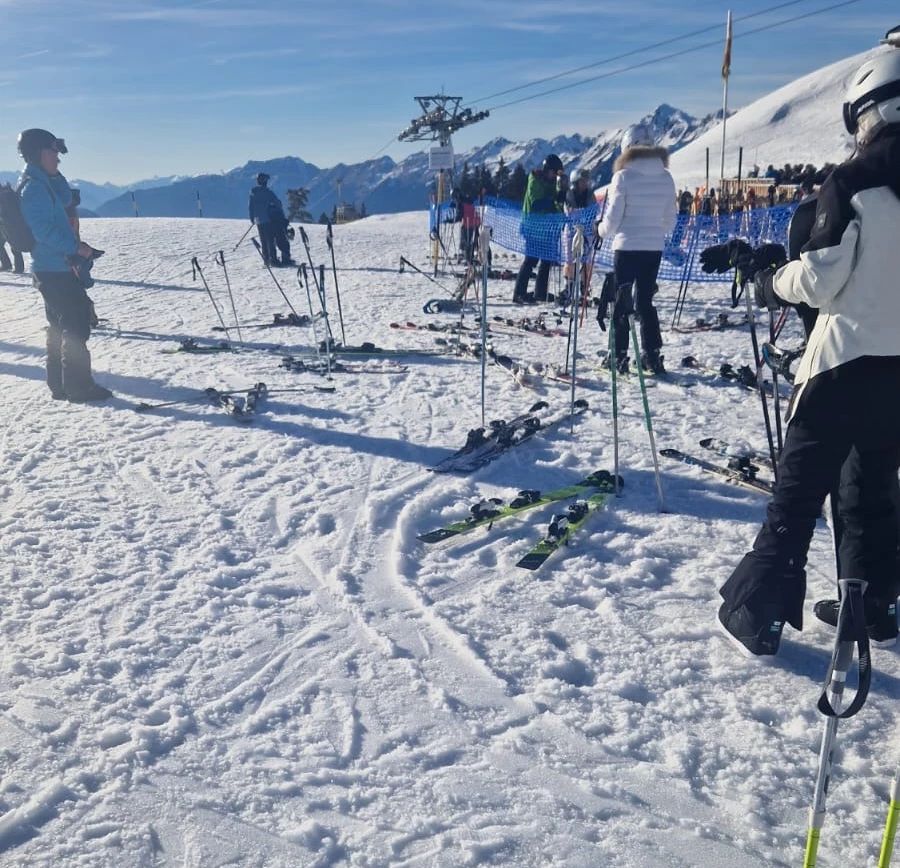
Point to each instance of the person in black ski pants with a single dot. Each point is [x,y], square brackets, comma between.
[640,211]
[264,208]
[842,407]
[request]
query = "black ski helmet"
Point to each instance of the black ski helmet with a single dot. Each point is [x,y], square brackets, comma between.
[262,179]
[551,163]
[32,142]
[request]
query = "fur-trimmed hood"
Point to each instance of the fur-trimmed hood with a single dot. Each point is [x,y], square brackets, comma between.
[641,152]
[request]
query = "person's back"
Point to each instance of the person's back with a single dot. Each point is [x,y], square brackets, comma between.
[842,268]
[641,202]
[263,204]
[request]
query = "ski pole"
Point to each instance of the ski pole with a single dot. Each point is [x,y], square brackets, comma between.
[890,826]
[220,260]
[195,267]
[243,237]
[640,368]
[323,301]
[611,359]
[850,632]
[776,397]
[272,275]
[301,271]
[757,356]
[329,239]
[484,241]
[577,252]
[405,261]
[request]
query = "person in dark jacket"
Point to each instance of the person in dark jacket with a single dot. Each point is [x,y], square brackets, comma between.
[17,263]
[267,214]
[842,419]
[60,265]
[543,195]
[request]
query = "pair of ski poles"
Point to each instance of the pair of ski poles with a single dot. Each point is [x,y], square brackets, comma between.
[198,270]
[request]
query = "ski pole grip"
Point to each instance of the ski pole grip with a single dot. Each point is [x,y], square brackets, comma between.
[851,629]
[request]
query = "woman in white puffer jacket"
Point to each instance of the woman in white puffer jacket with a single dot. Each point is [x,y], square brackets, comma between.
[640,212]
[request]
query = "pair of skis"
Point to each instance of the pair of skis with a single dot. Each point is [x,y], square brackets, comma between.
[484,445]
[239,405]
[740,469]
[592,492]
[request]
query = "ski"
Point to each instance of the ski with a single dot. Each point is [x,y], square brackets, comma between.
[370,349]
[316,366]
[720,323]
[519,372]
[744,376]
[740,477]
[489,511]
[233,406]
[447,305]
[535,326]
[725,449]
[441,327]
[278,320]
[563,526]
[192,345]
[481,449]
[480,440]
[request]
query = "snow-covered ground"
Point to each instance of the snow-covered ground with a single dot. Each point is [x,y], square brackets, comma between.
[222,644]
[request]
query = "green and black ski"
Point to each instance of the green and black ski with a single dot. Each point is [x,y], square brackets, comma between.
[485,513]
[564,526]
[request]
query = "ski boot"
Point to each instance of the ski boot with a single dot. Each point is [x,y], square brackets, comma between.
[881,618]
[652,362]
[622,365]
[753,633]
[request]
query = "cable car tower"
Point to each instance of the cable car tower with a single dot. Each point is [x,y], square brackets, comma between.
[441,117]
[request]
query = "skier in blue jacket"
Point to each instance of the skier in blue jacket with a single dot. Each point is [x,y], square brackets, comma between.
[60,264]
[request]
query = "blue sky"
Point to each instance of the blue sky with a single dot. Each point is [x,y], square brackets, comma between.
[156,87]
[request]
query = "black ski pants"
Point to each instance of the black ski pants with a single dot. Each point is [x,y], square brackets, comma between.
[267,242]
[68,310]
[283,243]
[845,434]
[525,272]
[638,268]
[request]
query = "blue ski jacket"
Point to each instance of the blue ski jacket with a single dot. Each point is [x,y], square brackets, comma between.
[44,201]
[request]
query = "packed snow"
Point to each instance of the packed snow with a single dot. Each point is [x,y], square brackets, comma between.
[224,645]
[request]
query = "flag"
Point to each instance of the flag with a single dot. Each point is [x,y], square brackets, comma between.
[726,60]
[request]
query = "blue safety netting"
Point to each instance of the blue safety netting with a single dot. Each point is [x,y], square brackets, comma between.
[549,236]
[443,213]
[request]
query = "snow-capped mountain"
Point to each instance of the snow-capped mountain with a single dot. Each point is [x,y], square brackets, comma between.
[384,185]
[798,123]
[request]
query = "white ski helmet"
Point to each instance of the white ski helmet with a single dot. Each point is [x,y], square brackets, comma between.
[873,96]
[637,136]
[576,174]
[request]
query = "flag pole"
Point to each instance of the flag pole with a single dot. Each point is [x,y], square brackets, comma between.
[726,71]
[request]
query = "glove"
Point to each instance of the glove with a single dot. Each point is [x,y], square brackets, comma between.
[716,259]
[764,290]
[740,256]
[769,256]
[607,297]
